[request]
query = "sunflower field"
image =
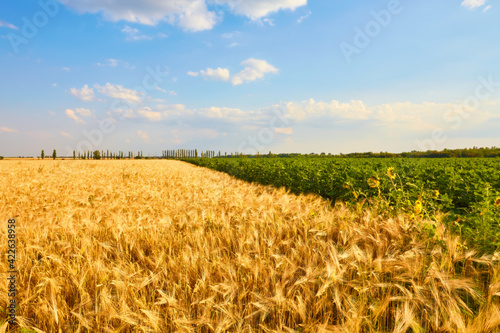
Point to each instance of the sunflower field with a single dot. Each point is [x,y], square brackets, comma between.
[467,191]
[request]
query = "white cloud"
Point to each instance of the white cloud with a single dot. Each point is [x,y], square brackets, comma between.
[196,17]
[191,15]
[388,122]
[170,92]
[158,113]
[150,115]
[114,63]
[8,25]
[66,135]
[231,35]
[71,114]
[85,93]
[129,113]
[311,108]
[284,130]
[254,69]
[8,130]
[471,4]
[256,9]
[395,116]
[222,113]
[83,112]
[365,127]
[133,34]
[302,18]
[266,20]
[143,135]
[119,92]
[174,110]
[65,69]
[487,8]
[219,74]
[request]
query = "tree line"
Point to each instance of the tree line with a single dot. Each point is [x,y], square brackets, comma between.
[474,152]
[166,154]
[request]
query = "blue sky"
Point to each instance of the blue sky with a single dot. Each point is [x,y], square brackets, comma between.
[254,75]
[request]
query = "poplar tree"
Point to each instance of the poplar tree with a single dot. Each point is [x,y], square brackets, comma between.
[43,154]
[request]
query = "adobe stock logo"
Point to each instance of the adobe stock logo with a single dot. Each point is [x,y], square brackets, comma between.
[372,29]
[31,27]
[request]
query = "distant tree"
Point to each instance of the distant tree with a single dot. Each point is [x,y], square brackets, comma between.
[54,155]
[97,155]
[43,154]
[74,155]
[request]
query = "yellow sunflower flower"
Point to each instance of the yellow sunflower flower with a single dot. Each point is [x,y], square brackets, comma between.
[373,182]
[436,194]
[418,207]
[497,201]
[390,173]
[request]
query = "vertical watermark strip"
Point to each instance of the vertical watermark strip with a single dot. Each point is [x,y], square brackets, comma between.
[12,272]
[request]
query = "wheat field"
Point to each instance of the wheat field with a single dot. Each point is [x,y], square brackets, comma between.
[164,246]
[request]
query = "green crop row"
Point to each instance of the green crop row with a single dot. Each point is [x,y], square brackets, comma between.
[467,190]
